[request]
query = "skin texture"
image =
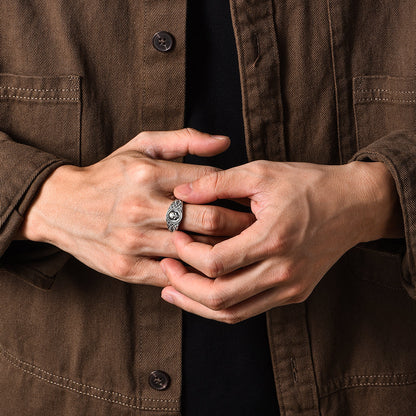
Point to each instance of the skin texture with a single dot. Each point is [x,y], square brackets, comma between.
[111,215]
[307,217]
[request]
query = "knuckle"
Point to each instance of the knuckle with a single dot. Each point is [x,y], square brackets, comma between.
[143,135]
[282,245]
[143,172]
[285,275]
[260,167]
[214,267]
[210,220]
[145,143]
[121,267]
[298,294]
[215,178]
[260,171]
[207,171]
[133,214]
[299,298]
[142,274]
[129,242]
[188,133]
[278,244]
[230,318]
[215,302]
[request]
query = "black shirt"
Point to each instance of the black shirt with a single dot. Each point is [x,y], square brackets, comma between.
[226,368]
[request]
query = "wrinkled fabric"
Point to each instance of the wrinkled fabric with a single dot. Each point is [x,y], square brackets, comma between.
[322,82]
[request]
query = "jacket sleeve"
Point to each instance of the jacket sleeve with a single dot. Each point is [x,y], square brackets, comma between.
[398,152]
[23,169]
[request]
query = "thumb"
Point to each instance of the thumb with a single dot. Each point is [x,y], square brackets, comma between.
[169,145]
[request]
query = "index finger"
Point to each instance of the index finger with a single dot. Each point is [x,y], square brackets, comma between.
[172,144]
[224,257]
[170,174]
[235,183]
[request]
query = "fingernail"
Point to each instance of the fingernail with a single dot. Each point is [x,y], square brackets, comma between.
[184,189]
[167,297]
[219,137]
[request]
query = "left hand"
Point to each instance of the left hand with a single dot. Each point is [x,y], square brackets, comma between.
[307,217]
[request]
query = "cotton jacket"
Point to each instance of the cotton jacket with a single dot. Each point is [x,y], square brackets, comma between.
[323,81]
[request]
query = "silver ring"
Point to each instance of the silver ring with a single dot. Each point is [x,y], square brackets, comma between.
[174,215]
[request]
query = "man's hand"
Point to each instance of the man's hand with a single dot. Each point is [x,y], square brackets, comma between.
[307,217]
[111,215]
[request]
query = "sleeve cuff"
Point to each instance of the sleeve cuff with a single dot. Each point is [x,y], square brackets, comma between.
[398,152]
[23,169]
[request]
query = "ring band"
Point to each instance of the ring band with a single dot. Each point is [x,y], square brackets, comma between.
[174,215]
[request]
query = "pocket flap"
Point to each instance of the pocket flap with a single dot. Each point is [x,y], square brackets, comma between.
[43,112]
[41,89]
[384,89]
[383,105]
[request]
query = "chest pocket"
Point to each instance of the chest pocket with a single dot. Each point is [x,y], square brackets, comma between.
[383,104]
[43,112]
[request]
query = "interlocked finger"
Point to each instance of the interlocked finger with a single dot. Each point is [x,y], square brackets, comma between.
[213,220]
[255,305]
[225,291]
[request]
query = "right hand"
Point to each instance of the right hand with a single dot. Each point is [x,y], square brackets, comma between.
[111,215]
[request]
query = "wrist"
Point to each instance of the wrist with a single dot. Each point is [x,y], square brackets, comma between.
[40,218]
[381,215]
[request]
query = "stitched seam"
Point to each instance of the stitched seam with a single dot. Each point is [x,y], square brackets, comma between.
[334,72]
[357,127]
[274,361]
[39,98]
[79,115]
[386,90]
[243,79]
[382,384]
[39,90]
[88,394]
[363,384]
[393,100]
[368,384]
[382,375]
[140,352]
[20,364]
[256,61]
[144,82]
[64,378]
[314,383]
[282,139]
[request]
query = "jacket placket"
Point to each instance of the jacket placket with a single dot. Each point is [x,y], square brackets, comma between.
[257,45]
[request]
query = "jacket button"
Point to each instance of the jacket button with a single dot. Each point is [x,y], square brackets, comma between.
[163,41]
[159,380]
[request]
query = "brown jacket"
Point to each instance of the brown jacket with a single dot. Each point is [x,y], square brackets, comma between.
[322,81]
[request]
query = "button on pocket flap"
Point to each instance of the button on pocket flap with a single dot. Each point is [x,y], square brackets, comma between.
[382,105]
[43,112]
